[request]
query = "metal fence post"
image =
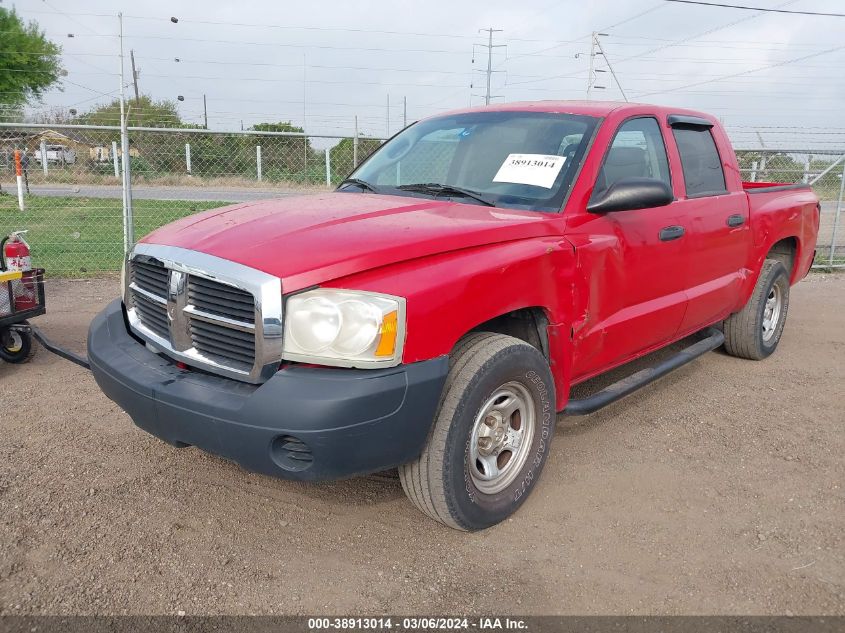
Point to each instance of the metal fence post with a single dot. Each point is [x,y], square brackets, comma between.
[114,159]
[225,160]
[258,161]
[328,168]
[128,221]
[188,157]
[837,216]
[355,145]
[44,157]
[753,176]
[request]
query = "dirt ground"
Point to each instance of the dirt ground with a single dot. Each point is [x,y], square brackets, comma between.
[716,490]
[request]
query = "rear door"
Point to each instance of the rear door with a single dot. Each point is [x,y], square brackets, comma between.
[716,211]
[632,262]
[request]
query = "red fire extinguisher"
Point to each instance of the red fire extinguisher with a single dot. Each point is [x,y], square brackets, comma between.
[17,257]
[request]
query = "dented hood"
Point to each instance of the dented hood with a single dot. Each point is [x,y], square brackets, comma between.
[307,240]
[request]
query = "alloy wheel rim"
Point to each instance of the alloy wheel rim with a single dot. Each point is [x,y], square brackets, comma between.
[771,312]
[501,438]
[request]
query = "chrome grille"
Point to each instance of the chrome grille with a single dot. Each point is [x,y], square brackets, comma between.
[221,342]
[149,295]
[206,311]
[150,276]
[215,298]
[153,315]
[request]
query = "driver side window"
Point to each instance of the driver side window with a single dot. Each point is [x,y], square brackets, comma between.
[637,151]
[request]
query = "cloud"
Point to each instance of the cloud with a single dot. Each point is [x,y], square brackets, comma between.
[255,64]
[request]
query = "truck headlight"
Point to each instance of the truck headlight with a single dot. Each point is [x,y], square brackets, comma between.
[344,328]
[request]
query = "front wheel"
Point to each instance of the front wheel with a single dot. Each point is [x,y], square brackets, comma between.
[491,436]
[754,332]
[16,346]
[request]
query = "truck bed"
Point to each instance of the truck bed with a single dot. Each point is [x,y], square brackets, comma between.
[765,187]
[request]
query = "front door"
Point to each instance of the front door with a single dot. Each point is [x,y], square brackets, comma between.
[633,263]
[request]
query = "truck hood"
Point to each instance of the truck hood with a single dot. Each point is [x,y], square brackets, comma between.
[308,240]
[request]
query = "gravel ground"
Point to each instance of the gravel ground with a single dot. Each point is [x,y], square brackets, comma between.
[716,490]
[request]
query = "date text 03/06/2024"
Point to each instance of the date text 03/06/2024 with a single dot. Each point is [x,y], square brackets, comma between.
[417,623]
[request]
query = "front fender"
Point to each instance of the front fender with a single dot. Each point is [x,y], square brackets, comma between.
[450,294]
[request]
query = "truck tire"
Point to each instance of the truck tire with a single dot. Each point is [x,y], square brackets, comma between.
[16,347]
[491,435]
[754,331]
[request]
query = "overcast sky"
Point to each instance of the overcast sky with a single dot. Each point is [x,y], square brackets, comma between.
[257,60]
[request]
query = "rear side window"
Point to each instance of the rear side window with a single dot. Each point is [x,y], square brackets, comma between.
[703,173]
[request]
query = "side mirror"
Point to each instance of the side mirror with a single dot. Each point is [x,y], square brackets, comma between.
[632,193]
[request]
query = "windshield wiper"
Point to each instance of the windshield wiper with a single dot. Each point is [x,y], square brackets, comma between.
[435,188]
[360,183]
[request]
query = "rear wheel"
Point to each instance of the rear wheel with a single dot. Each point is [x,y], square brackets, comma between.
[754,332]
[16,346]
[490,438]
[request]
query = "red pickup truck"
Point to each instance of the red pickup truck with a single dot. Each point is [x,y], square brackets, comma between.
[434,311]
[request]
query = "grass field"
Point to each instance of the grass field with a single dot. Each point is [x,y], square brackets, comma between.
[79,237]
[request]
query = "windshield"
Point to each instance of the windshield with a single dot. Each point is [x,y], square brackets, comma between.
[520,160]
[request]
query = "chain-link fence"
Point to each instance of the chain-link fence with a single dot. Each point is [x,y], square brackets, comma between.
[825,171]
[74,208]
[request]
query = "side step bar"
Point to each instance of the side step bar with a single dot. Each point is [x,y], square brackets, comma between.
[618,390]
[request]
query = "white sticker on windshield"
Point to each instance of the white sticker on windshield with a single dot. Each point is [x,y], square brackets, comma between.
[530,169]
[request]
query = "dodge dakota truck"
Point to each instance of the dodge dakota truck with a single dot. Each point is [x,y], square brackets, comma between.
[433,312]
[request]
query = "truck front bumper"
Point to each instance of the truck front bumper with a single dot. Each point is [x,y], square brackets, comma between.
[303,423]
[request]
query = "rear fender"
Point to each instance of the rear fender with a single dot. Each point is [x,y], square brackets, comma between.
[776,217]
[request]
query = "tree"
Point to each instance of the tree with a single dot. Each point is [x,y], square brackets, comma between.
[343,153]
[143,112]
[29,62]
[285,157]
[283,126]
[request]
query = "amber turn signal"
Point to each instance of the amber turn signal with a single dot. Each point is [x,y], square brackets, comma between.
[387,335]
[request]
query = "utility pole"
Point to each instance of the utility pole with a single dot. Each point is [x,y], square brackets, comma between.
[304,116]
[135,76]
[404,112]
[304,92]
[489,46]
[204,112]
[607,61]
[592,73]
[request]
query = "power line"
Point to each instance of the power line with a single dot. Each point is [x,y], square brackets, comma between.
[309,81]
[761,9]
[71,19]
[277,44]
[697,35]
[656,7]
[303,28]
[663,46]
[746,72]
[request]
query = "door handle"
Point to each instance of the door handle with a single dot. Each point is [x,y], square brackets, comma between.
[736,220]
[669,233]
